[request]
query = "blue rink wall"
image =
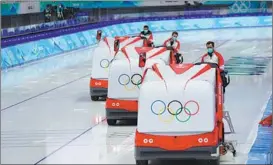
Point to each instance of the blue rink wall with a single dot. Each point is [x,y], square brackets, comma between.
[32,51]
[261,151]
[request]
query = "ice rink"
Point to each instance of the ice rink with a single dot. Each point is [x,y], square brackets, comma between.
[47,115]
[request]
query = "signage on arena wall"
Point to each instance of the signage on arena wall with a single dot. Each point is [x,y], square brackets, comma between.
[117,4]
[13,8]
[20,8]
[22,53]
[29,7]
[9,8]
[237,6]
[160,3]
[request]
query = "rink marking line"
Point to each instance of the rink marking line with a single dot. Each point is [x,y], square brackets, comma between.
[223,43]
[40,94]
[254,131]
[70,141]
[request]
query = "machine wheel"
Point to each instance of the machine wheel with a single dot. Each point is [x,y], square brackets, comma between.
[131,121]
[94,98]
[141,162]
[103,98]
[111,122]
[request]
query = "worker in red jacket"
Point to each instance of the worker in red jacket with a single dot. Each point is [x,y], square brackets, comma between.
[212,56]
[147,35]
[173,43]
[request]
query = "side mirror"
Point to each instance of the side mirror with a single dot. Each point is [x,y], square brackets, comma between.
[99,33]
[116,45]
[142,60]
[213,65]
[179,58]
[145,42]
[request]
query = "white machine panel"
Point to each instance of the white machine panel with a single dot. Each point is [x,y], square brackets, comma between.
[136,41]
[198,105]
[167,73]
[131,52]
[104,53]
[123,78]
[125,75]
[101,61]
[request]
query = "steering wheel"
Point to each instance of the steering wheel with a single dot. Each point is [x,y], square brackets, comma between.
[170,48]
[216,65]
[211,64]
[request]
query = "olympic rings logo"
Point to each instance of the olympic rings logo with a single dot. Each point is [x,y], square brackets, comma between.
[135,80]
[241,6]
[104,63]
[176,110]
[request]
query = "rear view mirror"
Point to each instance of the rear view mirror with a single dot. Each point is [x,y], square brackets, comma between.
[142,59]
[116,45]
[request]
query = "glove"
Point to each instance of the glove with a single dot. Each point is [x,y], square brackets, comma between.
[225,78]
[179,58]
[152,44]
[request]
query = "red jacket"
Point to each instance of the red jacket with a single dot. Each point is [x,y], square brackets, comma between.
[215,58]
[176,44]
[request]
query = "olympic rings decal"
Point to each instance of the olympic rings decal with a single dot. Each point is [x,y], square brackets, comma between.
[104,63]
[135,80]
[175,110]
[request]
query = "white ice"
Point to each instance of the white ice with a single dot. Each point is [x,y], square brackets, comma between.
[47,116]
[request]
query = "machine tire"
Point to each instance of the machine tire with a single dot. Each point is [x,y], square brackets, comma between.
[94,98]
[132,121]
[142,162]
[212,161]
[111,122]
[104,98]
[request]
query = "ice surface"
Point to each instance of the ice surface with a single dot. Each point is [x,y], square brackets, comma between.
[47,115]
